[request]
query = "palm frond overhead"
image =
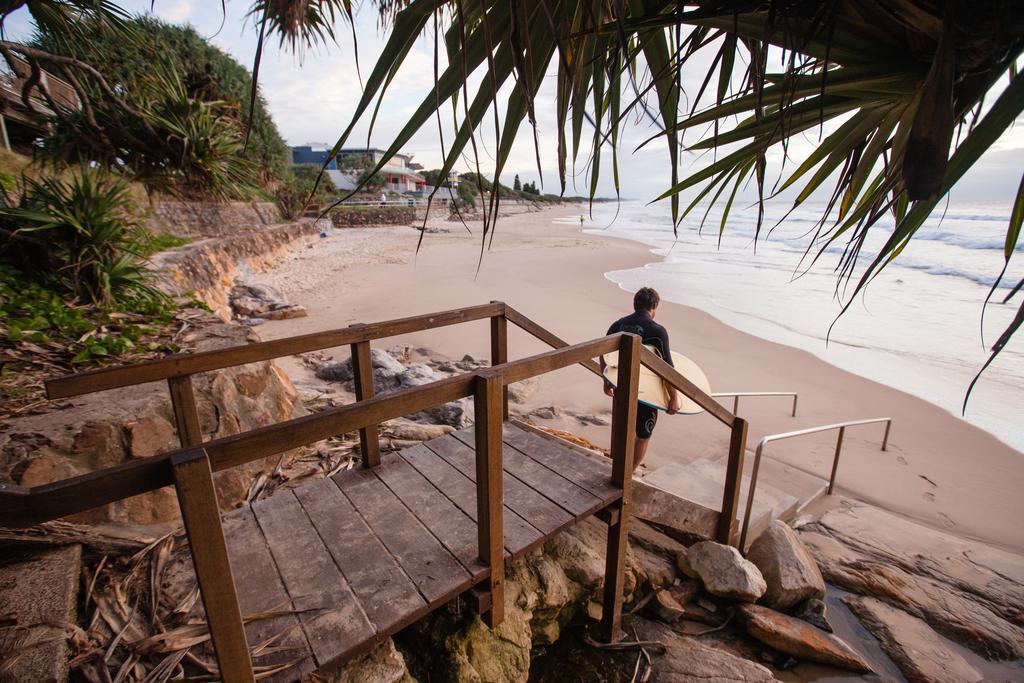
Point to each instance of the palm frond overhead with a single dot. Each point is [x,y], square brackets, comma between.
[897,87]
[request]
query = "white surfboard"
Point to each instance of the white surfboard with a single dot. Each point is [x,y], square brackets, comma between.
[653,390]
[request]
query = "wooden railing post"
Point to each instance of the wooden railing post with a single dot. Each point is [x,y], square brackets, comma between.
[733,482]
[186,417]
[193,481]
[499,352]
[623,439]
[362,372]
[489,485]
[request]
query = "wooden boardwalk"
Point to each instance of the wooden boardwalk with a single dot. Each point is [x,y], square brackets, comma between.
[369,551]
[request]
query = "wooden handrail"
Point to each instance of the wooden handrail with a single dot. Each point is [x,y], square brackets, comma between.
[216,359]
[20,506]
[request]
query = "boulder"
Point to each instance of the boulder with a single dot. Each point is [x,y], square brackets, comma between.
[724,571]
[46,469]
[916,649]
[335,371]
[664,606]
[788,569]
[458,414]
[416,375]
[799,639]
[382,664]
[151,435]
[282,312]
[99,444]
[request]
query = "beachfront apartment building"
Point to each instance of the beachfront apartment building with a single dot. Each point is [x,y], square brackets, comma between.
[399,173]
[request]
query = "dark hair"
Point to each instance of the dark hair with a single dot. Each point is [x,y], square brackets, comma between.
[645,299]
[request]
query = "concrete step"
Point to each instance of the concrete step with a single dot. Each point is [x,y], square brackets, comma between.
[806,488]
[702,482]
[782,504]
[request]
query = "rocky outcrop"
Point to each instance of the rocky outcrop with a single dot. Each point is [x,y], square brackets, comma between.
[967,591]
[724,571]
[788,569]
[916,649]
[210,219]
[799,639]
[102,430]
[544,591]
[210,267]
[686,659]
[253,303]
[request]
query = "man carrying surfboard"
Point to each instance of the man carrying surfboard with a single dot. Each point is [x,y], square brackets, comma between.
[641,323]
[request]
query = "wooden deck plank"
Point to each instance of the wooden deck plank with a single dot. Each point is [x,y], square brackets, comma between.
[587,472]
[259,589]
[523,500]
[461,490]
[387,594]
[449,524]
[436,573]
[573,499]
[335,624]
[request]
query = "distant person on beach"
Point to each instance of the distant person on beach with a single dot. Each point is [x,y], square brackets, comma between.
[581,223]
[641,323]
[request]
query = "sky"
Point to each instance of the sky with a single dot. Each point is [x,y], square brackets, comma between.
[312,96]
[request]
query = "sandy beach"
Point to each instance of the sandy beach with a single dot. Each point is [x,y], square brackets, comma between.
[938,469]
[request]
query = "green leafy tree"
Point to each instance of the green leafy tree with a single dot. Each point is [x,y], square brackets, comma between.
[296,189]
[127,52]
[516,185]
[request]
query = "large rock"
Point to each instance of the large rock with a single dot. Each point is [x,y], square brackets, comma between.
[967,591]
[916,649]
[724,571]
[151,435]
[799,639]
[686,659]
[382,664]
[789,570]
[414,431]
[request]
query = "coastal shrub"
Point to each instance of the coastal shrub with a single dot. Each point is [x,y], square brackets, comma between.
[77,236]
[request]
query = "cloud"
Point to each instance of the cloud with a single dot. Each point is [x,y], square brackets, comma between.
[175,12]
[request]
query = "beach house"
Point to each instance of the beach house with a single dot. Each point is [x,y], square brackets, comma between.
[400,174]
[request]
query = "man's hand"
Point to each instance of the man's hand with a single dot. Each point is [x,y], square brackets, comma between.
[609,390]
[674,405]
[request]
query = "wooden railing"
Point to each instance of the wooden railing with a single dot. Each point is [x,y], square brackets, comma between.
[191,468]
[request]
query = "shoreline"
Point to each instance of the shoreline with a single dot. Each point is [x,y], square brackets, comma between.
[939,470]
[721,319]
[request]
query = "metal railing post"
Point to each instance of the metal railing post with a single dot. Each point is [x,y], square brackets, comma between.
[623,442]
[489,488]
[835,460]
[193,482]
[841,426]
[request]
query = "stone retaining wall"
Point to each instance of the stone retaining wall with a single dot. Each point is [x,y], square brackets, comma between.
[360,216]
[208,268]
[210,219]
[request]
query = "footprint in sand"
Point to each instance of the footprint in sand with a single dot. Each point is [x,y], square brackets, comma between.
[901,460]
[948,521]
[929,496]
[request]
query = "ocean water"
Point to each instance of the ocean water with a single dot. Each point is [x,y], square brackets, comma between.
[917,326]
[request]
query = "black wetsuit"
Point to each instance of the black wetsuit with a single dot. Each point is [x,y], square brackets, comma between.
[651,334]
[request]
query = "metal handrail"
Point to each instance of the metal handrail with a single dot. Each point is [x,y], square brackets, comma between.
[736,397]
[841,426]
